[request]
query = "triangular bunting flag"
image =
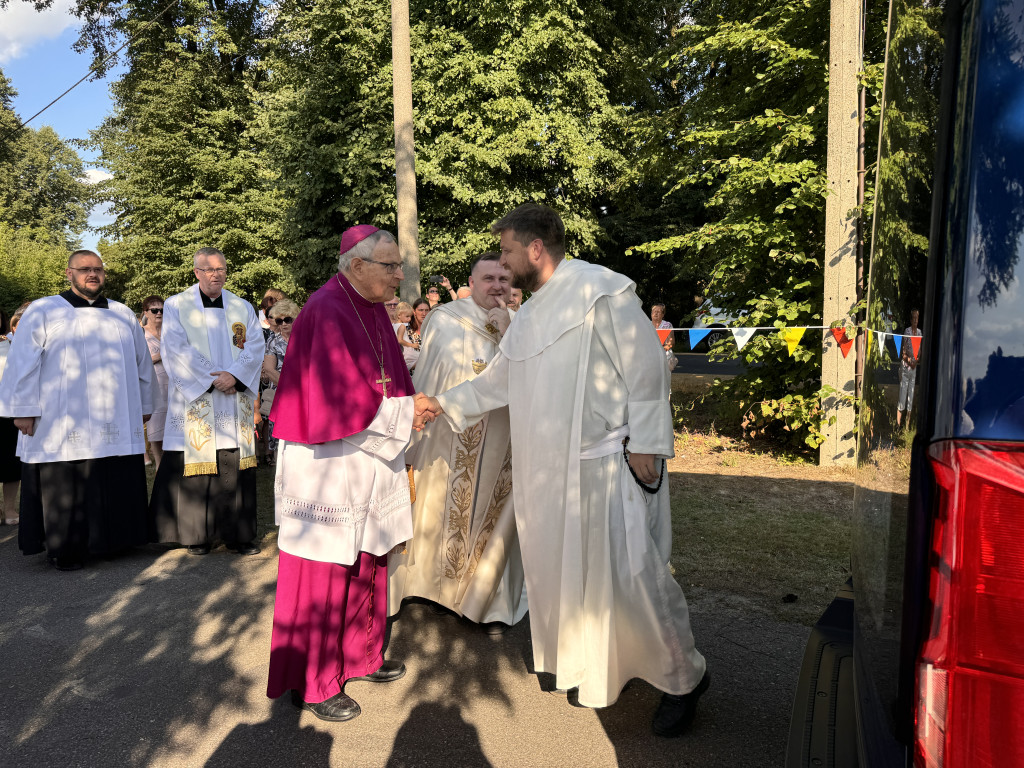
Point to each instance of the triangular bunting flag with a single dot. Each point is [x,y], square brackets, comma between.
[844,341]
[880,340]
[696,336]
[792,337]
[742,336]
[915,344]
[867,343]
[663,334]
[897,340]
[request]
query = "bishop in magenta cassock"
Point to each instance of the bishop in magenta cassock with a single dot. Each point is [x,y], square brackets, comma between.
[343,413]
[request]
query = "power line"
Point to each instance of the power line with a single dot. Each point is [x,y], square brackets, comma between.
[87,75]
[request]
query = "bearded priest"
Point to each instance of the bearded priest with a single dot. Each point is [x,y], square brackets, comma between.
[343,413]
[464,554]
[212,347]
[78,384]
[584,378]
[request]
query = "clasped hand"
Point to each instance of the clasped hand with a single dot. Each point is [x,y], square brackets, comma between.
[224,382]
[427,409]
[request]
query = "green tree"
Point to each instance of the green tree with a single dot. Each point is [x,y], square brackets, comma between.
[748,136]
[187,170]
[514,102]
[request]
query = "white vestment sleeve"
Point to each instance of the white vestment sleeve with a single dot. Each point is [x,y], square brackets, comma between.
[247,366]
[388,433]
[20,389]
[186,369]
[633,347]
[467,403]
[147,375]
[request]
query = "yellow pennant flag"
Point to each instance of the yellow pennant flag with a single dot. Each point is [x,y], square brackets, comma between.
[792,337]
[867,345]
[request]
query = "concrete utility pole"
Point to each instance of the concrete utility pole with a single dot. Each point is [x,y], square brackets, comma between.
[845,56]
[405,150]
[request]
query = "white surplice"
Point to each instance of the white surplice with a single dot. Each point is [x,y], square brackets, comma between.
[464,553]
[337,499]
[188,370]
[86,376]
[580,366]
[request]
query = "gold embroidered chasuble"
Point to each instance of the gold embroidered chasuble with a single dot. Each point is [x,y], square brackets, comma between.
[464,553]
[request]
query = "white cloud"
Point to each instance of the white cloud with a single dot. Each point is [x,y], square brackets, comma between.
[94,175]
[21,26]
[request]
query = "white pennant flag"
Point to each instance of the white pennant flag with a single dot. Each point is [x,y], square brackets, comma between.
[742,336]
[880,339]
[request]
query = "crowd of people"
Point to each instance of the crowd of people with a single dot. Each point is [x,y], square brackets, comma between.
[488,455]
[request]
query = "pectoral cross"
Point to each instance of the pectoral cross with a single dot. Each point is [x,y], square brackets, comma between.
[383,381]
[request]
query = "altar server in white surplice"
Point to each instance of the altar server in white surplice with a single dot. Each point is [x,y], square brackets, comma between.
[581,370]
[78,384]
[464,553]
[212,348]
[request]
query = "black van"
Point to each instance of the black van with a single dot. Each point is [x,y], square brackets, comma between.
[920,659]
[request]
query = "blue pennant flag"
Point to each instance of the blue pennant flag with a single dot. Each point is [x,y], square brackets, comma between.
[898,341]
[696,336]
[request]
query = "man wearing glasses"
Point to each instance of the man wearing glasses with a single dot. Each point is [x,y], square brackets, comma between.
[343,415]
[78,384]
[212,348]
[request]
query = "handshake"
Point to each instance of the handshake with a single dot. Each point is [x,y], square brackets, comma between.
[427,409]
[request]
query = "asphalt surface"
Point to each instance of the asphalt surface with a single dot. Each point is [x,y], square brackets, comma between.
[699,364]
[158,658]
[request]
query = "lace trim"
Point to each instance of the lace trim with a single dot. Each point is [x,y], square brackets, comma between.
[328,514]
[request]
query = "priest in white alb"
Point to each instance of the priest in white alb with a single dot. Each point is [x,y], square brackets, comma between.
[464,553]
[78,384]
[343,414]
[582,373]
[212,348]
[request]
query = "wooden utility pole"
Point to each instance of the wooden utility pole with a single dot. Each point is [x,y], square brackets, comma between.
[845,56]
[405,150]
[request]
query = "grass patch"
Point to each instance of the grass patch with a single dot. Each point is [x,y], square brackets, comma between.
[751,520]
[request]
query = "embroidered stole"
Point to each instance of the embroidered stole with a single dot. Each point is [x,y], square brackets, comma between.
[200,431]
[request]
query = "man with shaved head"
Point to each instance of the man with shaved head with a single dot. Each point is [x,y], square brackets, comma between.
[212,347]
[78,384]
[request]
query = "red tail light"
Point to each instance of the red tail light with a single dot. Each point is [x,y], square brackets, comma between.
[970,673]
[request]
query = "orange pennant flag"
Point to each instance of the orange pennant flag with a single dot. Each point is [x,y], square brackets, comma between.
[844,341]
[915,342]
[663,334]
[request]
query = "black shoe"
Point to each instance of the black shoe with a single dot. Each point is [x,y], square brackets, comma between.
[66,564]
[494,628]
[389,672]
[246,549]
[199,549]
[336,709]
[675,713]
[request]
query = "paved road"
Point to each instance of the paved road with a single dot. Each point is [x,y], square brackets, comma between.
[160,659]
[698,363]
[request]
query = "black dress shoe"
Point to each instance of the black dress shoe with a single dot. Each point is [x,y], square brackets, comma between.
[199,549]
[246,549]
[675,713]
[389,672]
[494,628]
[336,709]
[66,564]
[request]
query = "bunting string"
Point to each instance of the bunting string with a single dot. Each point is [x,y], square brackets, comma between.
[793,334]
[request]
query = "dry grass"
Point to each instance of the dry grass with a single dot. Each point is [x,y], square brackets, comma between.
[753,525]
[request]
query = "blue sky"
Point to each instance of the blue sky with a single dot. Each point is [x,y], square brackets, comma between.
[36,55]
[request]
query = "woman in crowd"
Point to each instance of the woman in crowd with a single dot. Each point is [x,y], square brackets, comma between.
[10,464]
[408,329]
[280,316]
[661,324]
[153,315]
